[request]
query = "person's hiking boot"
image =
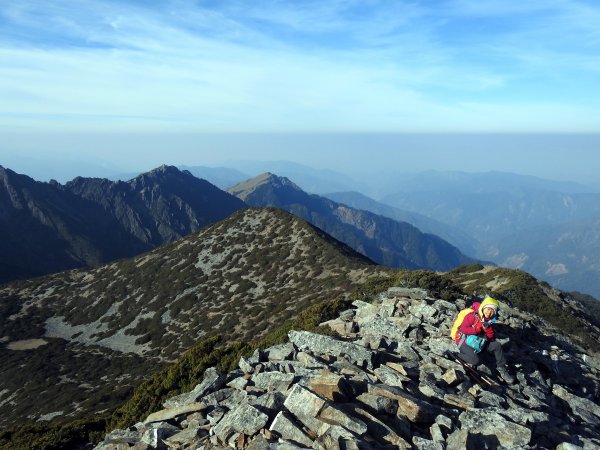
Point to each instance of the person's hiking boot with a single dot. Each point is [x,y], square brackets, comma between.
[506,376]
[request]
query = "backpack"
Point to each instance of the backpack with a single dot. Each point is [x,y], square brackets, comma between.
[475,342]
[459,321]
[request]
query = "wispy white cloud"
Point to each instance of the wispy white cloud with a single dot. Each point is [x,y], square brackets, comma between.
[277,66]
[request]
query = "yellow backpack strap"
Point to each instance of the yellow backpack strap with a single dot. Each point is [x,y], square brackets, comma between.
[458,322]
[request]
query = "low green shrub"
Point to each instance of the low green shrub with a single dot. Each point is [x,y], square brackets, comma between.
[73,434]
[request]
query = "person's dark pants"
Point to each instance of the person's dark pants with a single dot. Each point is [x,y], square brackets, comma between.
[468,355]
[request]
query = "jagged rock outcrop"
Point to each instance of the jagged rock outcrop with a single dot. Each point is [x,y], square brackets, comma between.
[386,382]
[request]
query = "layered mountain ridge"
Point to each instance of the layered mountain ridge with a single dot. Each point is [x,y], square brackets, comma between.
[550,229]
[88,221]
[385,241]
[87,337]
[453,235]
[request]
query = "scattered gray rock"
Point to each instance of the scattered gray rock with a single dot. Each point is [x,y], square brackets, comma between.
[213,380]
[330,346]
[273,381]
[279,352]
[287,429]
[489,423]
[244,419]
[171,413]
[387,383]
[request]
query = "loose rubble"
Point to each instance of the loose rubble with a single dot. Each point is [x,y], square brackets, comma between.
[386,383]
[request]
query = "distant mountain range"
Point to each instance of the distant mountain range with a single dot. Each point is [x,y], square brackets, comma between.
[550,229]
[465,182]
[566,255]
[88,221]
[48,227]
[385,241]
[544,227]
[222,177]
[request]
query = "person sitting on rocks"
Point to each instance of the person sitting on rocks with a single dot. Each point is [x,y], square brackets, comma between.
[476,334]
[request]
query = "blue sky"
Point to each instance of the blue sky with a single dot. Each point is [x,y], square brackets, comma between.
[301,66]
[470,85]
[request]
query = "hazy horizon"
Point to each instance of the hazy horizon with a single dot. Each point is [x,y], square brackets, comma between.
[555,157]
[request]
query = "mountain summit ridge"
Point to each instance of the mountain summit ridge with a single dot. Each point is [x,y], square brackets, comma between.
[107,327]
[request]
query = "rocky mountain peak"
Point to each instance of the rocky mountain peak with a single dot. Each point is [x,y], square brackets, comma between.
[387,379]
[88,221]
[5,177]
[165,169]
[10,178]
[160,174]
[249,187]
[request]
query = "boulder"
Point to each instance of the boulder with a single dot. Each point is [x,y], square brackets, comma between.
[382,432]
[378,403]
[335,416]
[452,377]
[326,345]
[273,381]
[385,327]
[462,401]
[244,419]
[212,381]
[305,406]
[489,423]
[171,413]
[413,409]
[581,407]
[328,385]
[389,376]
[279,352]
[287,429]
[308,360]
[157,432]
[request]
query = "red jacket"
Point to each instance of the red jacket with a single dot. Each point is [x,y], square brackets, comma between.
[472,325]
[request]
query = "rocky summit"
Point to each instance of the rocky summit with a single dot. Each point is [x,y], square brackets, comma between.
[384,377]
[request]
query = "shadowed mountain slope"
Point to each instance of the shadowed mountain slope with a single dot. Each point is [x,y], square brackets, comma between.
[50,227]
[385,241]
[454,236]
[85,337]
